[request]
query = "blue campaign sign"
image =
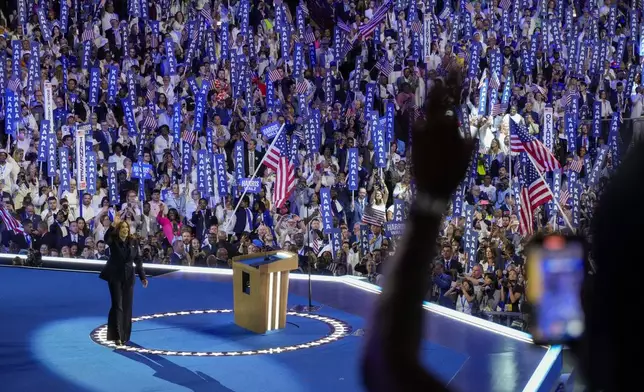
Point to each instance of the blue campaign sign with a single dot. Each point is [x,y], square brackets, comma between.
[395,229]
[252,185]
[141,170]
[269,131]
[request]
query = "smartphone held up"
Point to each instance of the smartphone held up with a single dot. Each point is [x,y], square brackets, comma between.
[556,269]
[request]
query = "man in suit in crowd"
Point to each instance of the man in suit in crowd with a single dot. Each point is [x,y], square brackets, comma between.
[244,221]
[450,262]
[179,255]
[73,236]
[253,159]
[202,219]
[358,206]
[368,155]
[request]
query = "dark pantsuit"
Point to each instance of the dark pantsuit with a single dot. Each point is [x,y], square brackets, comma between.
[118,272]
[119,321]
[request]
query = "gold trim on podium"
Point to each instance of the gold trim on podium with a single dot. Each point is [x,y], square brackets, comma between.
[260,293]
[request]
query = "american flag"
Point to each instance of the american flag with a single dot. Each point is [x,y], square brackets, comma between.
[348,45]
[416,26]
[305,9]
[521,140]
[415,111]
[277,159]
[575,165]
[150,122]
[316,245]
[373,216]
[309,36]
[494,82]
[14,84]
[538,89]
[534,192]
[302,87]
[189,137]
[498,108]
[483,80]
[505,4]
[568,97]
[246,136]
[446,12]
[343,25]
[88,34]
[563,197]
[274,75]
[333,266]
[10,222]
[206,14]
[384,66]
[151,93]
[378,17]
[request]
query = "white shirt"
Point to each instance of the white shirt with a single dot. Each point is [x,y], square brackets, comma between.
[118,159]
[462,305]
[160,145]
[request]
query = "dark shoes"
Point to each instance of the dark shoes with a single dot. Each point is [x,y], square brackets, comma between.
[118,342]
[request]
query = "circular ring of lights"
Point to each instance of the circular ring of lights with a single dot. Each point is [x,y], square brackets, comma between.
[337,330]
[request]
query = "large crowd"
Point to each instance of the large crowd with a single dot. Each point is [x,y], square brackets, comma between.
[218,129]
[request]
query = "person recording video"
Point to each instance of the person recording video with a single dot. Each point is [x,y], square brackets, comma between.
[606,351]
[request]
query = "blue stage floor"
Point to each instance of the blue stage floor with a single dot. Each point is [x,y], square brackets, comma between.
[47,318]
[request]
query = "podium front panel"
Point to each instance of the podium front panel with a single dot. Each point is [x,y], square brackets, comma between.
[260,284]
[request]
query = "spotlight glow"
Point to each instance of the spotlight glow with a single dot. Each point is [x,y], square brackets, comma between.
[337,330]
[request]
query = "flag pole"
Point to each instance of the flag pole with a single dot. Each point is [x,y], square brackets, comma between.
[256,171]
[554,199]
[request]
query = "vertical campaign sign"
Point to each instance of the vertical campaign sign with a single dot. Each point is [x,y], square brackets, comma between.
[42,143]
[336,242]
[593,176]
[238,155]
[112,184]
[470,237]
[186,158]
[210,182]
[576,196]
[390,112]
[548,128]
[91,172]
[457,200]
[11,117]
[220,170]
[597,118]
[52,155]
[353,180]
[201,170]
[65,170]
[380,145]
[325,210]
[81,156]
[396,227]
[556,191]
[427,36]
[364,240]
[48,98]
[94,80]
[112,84]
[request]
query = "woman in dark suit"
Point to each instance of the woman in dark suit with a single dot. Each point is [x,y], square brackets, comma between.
[119,274]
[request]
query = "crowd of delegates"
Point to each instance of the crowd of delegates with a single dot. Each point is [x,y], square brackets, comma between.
[145,78]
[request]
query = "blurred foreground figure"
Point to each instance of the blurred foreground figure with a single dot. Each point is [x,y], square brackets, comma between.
[391,360]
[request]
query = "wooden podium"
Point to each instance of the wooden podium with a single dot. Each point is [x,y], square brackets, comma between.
[260,289]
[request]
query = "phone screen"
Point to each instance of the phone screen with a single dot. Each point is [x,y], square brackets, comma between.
[556,274]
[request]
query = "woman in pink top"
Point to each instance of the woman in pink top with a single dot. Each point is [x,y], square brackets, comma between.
[170,224]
